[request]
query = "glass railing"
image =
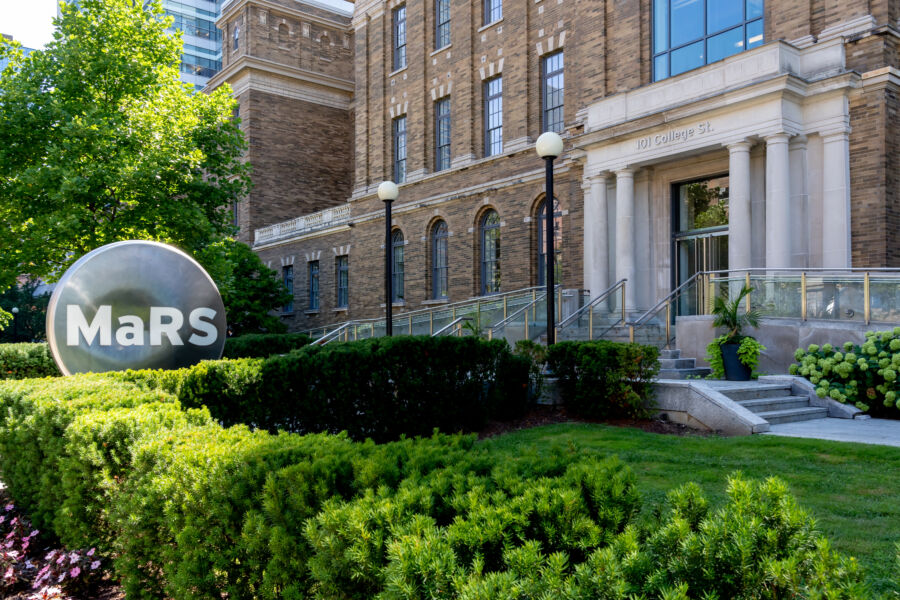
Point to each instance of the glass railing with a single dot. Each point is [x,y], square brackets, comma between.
[601,318]
[854,295]
[527,323]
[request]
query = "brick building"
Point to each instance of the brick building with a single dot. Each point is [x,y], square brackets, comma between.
[700,135]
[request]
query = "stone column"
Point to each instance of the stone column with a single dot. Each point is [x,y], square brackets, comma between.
[836,201]
[739,222]
[625,265]
[799,203]
[778,205]
[596,235]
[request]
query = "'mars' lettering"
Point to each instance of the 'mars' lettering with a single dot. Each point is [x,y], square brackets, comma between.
[164,321]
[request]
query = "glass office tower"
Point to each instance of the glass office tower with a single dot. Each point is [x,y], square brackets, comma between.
[196,19]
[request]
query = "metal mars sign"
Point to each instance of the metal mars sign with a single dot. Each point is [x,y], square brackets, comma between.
[135,305]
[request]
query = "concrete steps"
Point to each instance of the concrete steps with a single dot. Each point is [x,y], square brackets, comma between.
[774,402]
[672,366]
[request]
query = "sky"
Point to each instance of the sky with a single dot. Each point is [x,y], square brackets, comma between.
[28,21]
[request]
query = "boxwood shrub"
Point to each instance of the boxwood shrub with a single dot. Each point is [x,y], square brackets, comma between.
[380,389]
[605,379]
[191,510]
[23,361]
[261,345]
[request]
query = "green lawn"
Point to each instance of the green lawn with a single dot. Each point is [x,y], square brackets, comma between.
[852,490]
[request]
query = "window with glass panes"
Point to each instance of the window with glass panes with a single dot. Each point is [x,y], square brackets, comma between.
[397,265]
[442,134]
[542,242]
[493,11]
[493,116]
[236,40]
[342,268]
[287,276]
[399,26]
[691,33]
[439,263]
[399,129]
[313,284]
[490,253]
[442,23]
[552,96]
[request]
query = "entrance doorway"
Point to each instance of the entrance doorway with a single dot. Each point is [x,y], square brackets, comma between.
[699,232]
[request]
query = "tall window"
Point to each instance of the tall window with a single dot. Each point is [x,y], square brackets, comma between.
[442,134]
[236,37]
[287,276]
[313,268]
[493,116]
[552,95]
[490,253]
[399,128]
[691,33]
[442,23]
[399,37]
[493,11]
[397,265]
[342,268]
[542,242]
[439,265]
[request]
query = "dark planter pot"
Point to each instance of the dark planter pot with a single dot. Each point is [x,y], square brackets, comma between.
[735,370]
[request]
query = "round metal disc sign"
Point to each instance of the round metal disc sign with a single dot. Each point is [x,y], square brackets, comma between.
[135,305]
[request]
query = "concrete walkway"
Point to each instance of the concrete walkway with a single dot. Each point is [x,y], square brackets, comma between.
[864,431]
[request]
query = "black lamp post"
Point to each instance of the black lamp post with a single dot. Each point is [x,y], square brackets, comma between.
[549,145]
[388,192]
[15,314]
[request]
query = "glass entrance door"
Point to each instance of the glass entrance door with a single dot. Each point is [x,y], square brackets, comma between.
[700,233]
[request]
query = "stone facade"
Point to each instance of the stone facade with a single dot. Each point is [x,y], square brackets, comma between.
[804,125]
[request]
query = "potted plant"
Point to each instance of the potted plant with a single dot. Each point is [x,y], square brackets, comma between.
[734,355]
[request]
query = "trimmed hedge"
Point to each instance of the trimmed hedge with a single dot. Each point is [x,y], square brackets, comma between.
[192,510]
[605,379]
[24,361]
[261,345]
[381,389]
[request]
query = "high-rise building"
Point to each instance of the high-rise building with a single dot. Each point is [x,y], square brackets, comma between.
[196,19]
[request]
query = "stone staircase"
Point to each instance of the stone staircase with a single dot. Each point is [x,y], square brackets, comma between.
[672,366]
[773,402]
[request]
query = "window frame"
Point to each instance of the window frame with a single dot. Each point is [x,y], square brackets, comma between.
[441,143]
[236,37]
[398,37]
[312,284]
[441,25]
[542,241]
[287,279]
[440,261]
[399,143]
[490,267]
[488,98]
[545,88]
[398,267]
[342,281]
[669,48]
[493,11]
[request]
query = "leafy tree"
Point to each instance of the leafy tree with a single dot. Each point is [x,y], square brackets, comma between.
[249,288]
[100,142]
[31,323]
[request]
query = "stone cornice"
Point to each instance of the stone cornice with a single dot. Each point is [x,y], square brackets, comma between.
[246,62]
[232,8]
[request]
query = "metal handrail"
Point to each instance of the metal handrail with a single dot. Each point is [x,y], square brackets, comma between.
[332,335]
[451,324]
[505,321]
[603,296]
[671,296]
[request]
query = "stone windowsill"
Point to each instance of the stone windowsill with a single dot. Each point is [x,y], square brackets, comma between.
[489,25]
[441,49]
[340,309]
[398,71]
[311,312]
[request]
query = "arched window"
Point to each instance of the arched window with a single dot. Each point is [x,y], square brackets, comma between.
[236,37]
[490,253]
[397,265]
[439,263]
[542,242]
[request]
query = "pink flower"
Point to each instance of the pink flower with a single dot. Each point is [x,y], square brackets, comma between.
[91,552]
[61,558]
[33,533]
[95,565]
[10,574]
[50,555]
[75,572]
[8,507]
[61,577]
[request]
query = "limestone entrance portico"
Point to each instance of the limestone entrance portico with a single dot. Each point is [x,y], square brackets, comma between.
[774,119]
